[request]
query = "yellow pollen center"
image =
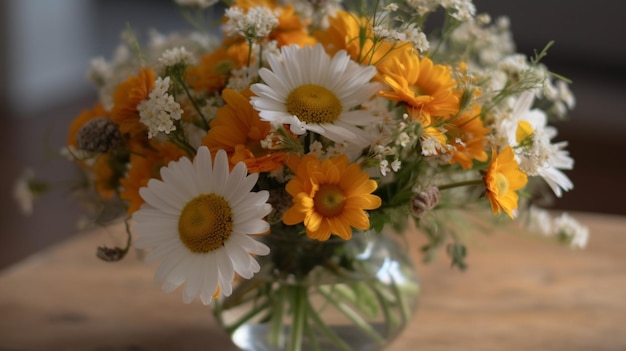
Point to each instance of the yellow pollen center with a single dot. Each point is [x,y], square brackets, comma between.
[329,200]
[205,223]
[314,104]
[523,132]
[502,184]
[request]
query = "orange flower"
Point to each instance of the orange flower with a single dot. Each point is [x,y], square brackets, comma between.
[126,97]
[239,130]
[212,73]
[330,197]
[105,177]
[354,34]
[502,179]
[426,87]
[144,167]
[467,135]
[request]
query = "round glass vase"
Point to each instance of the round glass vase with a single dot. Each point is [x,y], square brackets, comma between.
[356,294]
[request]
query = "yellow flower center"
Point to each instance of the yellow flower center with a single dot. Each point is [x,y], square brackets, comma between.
[502,183]
[329,200]
[205,223]
[314,104]
[523,132]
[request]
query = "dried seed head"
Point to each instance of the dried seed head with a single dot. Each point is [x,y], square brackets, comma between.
[425,201]
[98,135]
[281,201]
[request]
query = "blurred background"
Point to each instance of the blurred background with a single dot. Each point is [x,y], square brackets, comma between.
[46,46]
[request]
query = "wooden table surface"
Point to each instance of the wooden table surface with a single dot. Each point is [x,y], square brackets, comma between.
[519,293]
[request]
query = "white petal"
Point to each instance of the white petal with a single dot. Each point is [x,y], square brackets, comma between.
[226,272]
[220,172]
[155,201]
[203,171]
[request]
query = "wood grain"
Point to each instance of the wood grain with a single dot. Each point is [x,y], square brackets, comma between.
[519,293]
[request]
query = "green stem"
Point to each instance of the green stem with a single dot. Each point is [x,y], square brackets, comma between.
[329,333]
[311,337]
[383,302]
[406,311]
[275,336]
[299,307]
[231,329]
[182,83]
[354,317]
[459,184]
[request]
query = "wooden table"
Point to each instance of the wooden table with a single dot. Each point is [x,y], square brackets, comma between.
[519,293]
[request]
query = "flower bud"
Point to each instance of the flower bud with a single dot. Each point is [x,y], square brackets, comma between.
[110,254]
[424,201]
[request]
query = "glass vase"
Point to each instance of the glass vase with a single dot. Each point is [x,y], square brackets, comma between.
[356,294]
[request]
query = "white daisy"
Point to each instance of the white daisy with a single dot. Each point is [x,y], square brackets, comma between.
[528,131]
[309,90]
[197,222]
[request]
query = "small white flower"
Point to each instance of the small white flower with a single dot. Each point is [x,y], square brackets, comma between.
[384,167]
[395,165]
[176,56]
[539,220]
[23,193]
[258,22]
[316,148]
[198,222]
[571,231]
[160,110]
[404,139]
[100,71]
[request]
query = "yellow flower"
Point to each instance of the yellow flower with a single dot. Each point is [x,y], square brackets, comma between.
[330,197]
[502,179]
[427,88]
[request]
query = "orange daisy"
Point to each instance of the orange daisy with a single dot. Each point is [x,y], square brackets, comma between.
[126,97]
[467,135]
[238,130]
[503,178]
[330,197]
[426,87]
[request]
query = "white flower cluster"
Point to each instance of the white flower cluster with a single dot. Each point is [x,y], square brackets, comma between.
[175,56]
[408,33]
[160,110]
[258,22]
[461,10]
[563,227]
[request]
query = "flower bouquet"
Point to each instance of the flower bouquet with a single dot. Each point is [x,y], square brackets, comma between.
[272,167]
